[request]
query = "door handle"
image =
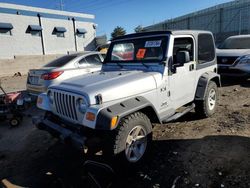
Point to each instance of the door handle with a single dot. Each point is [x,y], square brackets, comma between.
[191,67]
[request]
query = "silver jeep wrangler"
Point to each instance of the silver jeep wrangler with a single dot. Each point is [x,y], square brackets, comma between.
[146,78]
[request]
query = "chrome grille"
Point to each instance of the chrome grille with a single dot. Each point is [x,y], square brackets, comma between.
[65,105]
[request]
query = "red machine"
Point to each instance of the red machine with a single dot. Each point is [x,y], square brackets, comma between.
[11,107]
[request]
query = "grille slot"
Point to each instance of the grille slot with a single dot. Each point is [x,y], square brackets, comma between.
[65,105]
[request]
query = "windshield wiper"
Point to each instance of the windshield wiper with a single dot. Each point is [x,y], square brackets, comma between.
[145,65]
[119,64]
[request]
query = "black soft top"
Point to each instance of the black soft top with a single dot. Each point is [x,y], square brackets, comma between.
[153,33]
[142,34]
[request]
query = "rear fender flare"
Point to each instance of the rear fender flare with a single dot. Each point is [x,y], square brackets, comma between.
[203,83]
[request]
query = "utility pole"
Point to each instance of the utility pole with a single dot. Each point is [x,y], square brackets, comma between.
[61,5]
[240,20]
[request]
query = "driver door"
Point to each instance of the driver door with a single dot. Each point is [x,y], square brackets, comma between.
[182,80]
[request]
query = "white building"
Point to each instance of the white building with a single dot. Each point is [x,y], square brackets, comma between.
[28,31]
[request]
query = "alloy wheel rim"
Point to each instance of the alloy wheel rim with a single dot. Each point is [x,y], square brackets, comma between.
[211,99]
[136,144]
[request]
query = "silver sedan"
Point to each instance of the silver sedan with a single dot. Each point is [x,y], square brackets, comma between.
[60,69]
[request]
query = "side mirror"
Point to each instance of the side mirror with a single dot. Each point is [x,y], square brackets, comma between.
[182,57]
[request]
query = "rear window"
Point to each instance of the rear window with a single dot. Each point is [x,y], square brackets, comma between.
[206,51]
[61,61]
[236,43]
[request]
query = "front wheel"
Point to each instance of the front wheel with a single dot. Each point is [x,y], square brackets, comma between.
[207,107]
[132,138]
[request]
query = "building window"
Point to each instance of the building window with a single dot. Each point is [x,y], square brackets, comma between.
[34,30]
[5,28]
[80,32]
[59,31]
[206,52]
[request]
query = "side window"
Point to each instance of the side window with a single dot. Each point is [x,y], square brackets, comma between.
[103,56]
[206,52]
[82,61]
[186,45]
[92,59]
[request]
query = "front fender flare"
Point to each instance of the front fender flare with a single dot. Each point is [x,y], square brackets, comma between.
[121,110]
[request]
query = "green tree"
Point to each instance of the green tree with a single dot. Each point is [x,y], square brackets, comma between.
[138,29]
[118,31]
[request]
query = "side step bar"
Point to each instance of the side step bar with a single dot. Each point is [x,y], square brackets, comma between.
[179,114]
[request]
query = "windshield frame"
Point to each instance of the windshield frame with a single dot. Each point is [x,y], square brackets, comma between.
[165,46]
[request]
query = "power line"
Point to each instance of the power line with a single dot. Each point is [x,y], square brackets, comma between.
[96,6]
[109,5]
[79,3]
[61,5]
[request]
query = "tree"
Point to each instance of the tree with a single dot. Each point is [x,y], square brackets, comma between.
[138,29]
[118,31]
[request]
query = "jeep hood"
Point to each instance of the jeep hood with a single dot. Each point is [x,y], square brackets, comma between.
[111,85]
[232,52]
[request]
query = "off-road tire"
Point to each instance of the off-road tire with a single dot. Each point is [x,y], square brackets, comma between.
[202,107]
[120,135]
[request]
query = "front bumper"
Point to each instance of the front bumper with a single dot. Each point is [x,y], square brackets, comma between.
[67,135]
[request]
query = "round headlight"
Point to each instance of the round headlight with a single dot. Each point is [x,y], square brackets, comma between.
[50,96]
[82,105]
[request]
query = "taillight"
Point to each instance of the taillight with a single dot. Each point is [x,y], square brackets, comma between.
[51,75]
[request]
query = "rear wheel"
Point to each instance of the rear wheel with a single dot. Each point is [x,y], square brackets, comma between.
[207,107]
[132,138]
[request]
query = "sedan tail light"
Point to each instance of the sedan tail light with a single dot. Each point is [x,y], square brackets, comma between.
[51,75]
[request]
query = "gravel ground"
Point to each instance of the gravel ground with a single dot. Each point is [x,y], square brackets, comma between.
[11,84]
[190,152]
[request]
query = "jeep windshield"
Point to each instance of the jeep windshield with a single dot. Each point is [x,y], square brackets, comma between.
[150,49]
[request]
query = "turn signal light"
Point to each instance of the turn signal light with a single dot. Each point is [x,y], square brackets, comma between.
[113,122]
[90,116]
[51,75]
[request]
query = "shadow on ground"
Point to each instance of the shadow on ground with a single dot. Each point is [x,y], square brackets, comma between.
[211,161]
[231,81]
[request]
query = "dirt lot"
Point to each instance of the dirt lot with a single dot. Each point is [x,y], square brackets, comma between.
[190,152]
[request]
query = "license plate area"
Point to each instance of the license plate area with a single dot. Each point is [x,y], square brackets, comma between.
[34,80]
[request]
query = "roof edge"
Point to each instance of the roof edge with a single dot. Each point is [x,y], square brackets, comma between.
[44,10]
